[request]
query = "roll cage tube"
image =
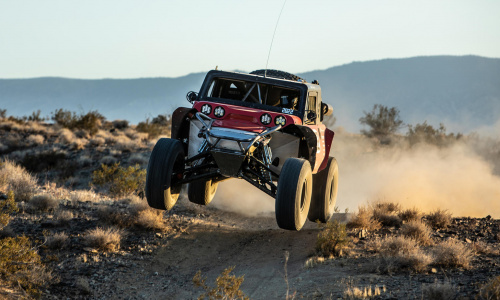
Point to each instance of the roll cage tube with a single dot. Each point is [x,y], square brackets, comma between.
[256,103]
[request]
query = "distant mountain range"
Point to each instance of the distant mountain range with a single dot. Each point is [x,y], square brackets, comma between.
[462,92]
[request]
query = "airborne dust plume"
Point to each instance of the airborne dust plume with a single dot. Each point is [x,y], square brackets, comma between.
[460,177]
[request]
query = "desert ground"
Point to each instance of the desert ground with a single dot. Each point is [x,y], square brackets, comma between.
[75,224]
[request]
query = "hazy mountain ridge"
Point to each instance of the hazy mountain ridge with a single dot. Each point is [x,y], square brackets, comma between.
[461,91]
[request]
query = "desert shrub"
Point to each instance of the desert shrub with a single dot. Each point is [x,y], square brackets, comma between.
[399,253]
[137,206]
[137,159]
[357,293]
[333,239]
[3,148]
[56,241]
[382,121]
[452,253]
[120,180]
[108,160]
[21,265]
[90,121]
[114,216]
[35,116]
[43,202]
[7,207]
[107,240]
[159,125]
[120,124]
[150,219]
[490,290]
[64,216]
[439,291]
[43,161]
[83,196]
[393,245]
[17,180]
[439,219]
[386,213]
[97,141]
[410,214]
[425,133]
[363,219]
[227,286]
[65,136]
[35,139]
[418,231]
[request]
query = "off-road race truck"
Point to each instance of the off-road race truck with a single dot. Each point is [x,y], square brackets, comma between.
[264,127]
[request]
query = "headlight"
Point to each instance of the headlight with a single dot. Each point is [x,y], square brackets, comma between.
[280,120]
[219,112]
[206,109]
[265,119]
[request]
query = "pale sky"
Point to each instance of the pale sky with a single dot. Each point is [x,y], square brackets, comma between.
[130,39]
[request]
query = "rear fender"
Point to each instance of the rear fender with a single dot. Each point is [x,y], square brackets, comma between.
[328,145]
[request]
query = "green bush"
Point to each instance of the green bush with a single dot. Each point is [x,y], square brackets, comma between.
[383,122]
[120,180]
[20,264]
[7,207]
[333,239]
[425,133]
[159,125]
[90,121]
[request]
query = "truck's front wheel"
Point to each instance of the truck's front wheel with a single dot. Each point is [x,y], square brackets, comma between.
[294,194]
[202,191]
[167,156]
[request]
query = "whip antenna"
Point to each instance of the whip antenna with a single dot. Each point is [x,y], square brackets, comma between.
[275,27]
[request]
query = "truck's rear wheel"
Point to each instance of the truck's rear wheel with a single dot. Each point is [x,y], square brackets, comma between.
[294,194]
[167,156]
[324,196]
[202,191]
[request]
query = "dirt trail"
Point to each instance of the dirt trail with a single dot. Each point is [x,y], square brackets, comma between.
[214,241]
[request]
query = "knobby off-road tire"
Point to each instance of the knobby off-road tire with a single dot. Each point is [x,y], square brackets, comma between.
[294,194]
[277,74]
[167,156]
[324,196]
[202,191]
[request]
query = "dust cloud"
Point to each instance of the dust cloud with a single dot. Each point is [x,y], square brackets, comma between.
[459,178]
[455,177]
[239,196]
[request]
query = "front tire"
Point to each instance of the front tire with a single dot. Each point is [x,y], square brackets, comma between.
[202,191]
[294,194]
[325,188]
[167,156]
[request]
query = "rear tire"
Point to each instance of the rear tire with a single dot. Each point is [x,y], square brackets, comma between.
[202,191]
[167,156]
[325,188]
[294,194]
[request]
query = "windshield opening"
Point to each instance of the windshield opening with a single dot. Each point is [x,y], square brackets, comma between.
[253,92]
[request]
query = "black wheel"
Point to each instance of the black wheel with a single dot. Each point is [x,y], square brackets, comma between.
[277,74]
[167,157]
[324,196]
[202,191]
[294,194]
